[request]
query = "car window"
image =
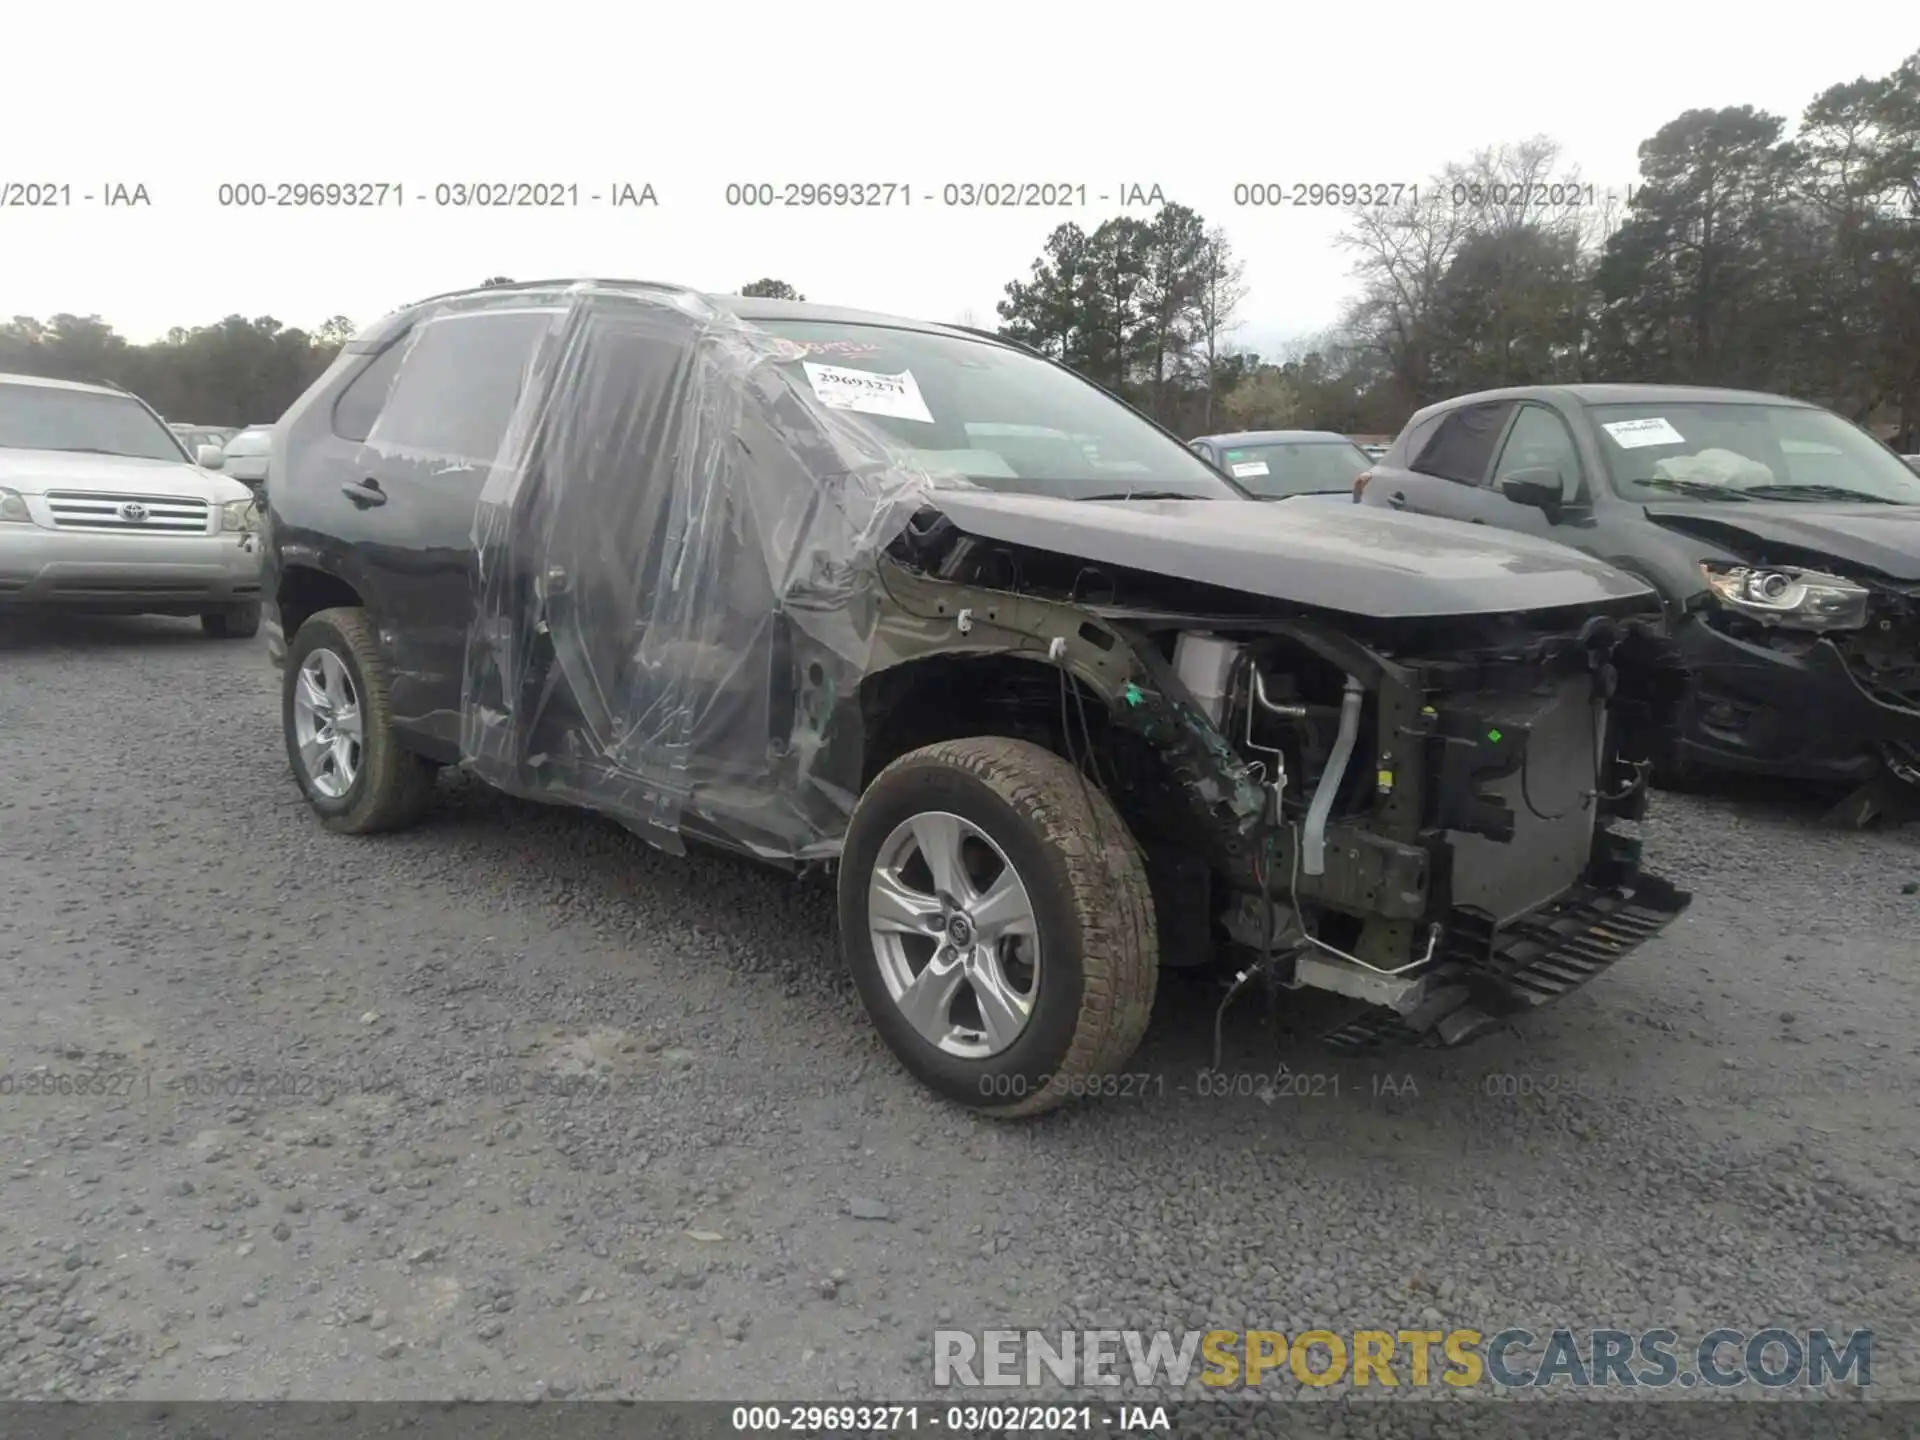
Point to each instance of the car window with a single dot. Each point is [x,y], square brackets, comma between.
[251,442]
[360,404]
[1276,469]
[1409,445]
[974,412]
[1539,440]
[49,417]
[1734,451]
[1462,446]
[458,383]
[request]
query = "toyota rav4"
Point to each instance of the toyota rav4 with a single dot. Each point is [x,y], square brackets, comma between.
[1054,702]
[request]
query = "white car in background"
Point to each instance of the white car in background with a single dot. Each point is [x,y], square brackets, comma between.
[103,510]
[246,456]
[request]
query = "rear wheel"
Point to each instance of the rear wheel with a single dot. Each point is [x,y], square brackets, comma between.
[996,915]
[340,738]
[232,622]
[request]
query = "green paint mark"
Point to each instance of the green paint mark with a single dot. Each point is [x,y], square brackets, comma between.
[1494,736]
[1134,694]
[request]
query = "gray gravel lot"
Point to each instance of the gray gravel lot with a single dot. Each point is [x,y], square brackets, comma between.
[512,1106]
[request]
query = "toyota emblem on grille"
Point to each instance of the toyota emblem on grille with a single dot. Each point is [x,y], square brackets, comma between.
[133,511]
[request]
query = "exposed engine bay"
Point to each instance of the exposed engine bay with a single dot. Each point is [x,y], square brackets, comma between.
[1411,813]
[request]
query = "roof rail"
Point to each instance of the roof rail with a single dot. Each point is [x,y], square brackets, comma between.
[996,336]
[554,284]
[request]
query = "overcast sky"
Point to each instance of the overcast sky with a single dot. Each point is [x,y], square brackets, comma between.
[1192,97]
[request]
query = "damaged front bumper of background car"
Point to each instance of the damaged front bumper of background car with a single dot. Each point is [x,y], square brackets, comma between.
[1411,815]
[1808,674]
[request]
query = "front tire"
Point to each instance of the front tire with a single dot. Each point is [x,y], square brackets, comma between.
[338,721]
[996,915]
[235,622]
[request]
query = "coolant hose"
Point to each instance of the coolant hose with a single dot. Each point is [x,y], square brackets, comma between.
[1313,840]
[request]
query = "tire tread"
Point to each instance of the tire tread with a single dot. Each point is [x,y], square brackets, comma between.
[398,784]
[1111,898]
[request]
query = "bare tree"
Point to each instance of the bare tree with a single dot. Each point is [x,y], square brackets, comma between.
[1403,253]
[1218,292]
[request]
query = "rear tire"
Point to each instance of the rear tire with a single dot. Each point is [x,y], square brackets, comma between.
[357,783]
[235,622]
[1089,910]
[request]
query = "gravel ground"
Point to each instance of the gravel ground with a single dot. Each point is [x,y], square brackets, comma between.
[512,1106]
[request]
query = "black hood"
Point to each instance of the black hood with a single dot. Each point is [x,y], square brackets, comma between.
[1882,538]
[1344,557]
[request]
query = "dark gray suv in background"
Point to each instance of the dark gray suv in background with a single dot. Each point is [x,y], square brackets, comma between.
[1784,540]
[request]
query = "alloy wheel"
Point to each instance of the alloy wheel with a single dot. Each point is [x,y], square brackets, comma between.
[954,932]
[327,725]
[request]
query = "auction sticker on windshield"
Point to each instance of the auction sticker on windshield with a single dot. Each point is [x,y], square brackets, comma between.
[1639,434]
[840,388]
[1246,470]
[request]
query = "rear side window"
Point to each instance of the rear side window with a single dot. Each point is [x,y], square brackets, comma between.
[1407,448]
[458,383]
[360,404]
[1462,448]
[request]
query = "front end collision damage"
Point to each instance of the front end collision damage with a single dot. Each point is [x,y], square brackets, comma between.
[1413,815]
[1841,705]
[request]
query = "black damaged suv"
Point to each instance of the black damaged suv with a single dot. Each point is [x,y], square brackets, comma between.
[1056,703]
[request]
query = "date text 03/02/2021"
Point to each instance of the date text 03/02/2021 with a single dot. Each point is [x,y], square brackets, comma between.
[966,1419]
[481,194]
[952,195]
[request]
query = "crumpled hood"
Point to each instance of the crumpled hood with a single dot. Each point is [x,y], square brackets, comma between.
[1881,538]
[1349,558]
[34,472]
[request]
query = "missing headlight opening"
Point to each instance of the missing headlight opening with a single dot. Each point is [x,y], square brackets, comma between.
[1514,770]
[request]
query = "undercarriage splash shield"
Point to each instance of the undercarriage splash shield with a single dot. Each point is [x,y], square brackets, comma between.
[1493,975]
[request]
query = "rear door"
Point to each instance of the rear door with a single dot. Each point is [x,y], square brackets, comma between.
[430,414]
[1446,464]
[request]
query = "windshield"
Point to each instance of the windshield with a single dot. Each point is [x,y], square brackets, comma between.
[43,417]
[1275,469]
[1736,452]
[984,414]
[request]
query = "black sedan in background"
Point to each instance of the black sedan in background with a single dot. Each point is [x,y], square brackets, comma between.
[1283,464]
[1784,540]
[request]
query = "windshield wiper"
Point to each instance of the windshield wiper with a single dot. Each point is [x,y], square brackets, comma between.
[1144,495]
[1704,489]
[1817,492]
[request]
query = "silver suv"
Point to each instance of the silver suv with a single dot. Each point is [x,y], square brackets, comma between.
[102,509]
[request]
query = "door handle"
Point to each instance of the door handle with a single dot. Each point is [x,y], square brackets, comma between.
[364,492]
[1397,500]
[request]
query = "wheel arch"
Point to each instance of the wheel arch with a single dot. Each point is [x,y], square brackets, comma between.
[302,591]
